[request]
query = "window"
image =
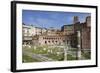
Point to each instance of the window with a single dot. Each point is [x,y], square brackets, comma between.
[49,41]
[45,42]
[56,41]
[64,41]
[52,41]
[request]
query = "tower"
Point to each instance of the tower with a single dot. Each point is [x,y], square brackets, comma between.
[75,19]
[88,21]
[76,23]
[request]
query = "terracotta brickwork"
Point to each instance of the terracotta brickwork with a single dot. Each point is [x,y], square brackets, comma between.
[66,35]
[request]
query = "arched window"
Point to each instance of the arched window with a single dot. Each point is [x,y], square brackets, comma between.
[64,41]
[45,42]
[52,41]
[49,41]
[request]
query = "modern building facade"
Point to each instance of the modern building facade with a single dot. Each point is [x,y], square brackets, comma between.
[29,31]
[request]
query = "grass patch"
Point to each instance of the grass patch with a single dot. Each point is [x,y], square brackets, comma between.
[49,51]
[86,55]
[27,59]
[56,57]
[70,57]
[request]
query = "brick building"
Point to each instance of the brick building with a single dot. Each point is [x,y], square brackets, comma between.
[76,34]
[84,30]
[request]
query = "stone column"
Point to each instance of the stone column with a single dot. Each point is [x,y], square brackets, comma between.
[79,45]
[65,54]
[65,51]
